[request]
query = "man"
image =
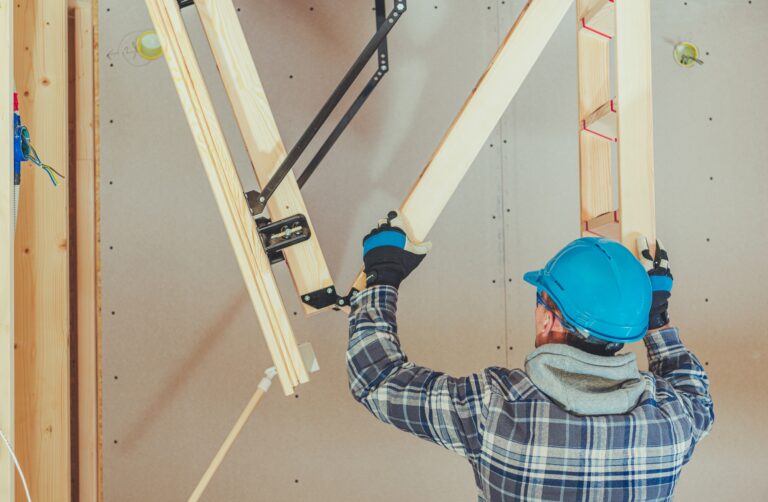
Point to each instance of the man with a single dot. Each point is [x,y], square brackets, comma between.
[581,422]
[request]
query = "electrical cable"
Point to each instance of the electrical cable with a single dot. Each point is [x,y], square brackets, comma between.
[18,467]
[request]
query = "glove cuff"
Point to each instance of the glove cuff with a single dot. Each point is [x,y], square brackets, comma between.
[383,277]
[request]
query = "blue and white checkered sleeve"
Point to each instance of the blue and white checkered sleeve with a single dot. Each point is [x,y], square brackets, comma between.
[669,359]
[429,404]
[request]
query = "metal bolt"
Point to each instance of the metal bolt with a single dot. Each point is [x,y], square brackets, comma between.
[383,67]
[341,301]
[400,6]
[329,290]
[306,298]
[262,199]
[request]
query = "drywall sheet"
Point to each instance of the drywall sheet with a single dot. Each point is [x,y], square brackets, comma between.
[182,354]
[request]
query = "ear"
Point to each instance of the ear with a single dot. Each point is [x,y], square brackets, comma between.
[545,322]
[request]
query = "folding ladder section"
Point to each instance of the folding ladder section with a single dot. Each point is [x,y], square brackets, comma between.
[479,115]
[262,139]
[624,120]
[241,228]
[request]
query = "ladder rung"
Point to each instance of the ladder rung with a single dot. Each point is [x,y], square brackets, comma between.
[603,121]
[600,19]
[606,225]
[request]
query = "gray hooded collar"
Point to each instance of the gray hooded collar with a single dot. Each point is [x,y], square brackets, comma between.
[583,383]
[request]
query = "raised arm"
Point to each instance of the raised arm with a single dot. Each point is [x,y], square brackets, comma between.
[429,404]
[667,356]
[426,403]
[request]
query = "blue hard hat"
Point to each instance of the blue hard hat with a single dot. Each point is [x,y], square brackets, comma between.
[601,289]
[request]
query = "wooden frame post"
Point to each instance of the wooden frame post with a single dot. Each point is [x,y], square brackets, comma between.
[478,116]
[87,250]
[637,205]
[7,225]
[228,191]
[626,120]
[42,265]
[262,138]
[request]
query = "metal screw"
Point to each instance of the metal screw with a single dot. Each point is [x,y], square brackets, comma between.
[383,67]
[341,301]
[306,298]
[400,6]
[262,199]
[329,290]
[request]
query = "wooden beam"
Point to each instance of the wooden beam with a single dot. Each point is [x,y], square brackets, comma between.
[637,211]
[42,254]
[228,192]
[595,165]
[7,225]
[87,249]
[479,115]
[262,139]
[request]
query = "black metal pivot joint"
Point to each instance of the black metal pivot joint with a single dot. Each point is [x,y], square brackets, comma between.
[384,24]
[327,297]
[185,3]
[278,235]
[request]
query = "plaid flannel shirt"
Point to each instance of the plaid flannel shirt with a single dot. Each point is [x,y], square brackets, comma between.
[521,445]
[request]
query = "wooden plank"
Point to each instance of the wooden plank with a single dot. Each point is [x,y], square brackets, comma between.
[595,179]
[635,119]
[42,254]
[7,225]
[262,139]
[228,192]
[87,248]
[599,18]
[479,115]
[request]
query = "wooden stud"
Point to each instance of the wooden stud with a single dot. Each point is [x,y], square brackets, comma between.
[87,249]
[228,192]
[595,164]
[7,225]
[635,121]
[42,308]
[479,115]
[262,139]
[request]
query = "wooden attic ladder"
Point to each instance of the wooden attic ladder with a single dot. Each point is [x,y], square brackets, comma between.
[624,119]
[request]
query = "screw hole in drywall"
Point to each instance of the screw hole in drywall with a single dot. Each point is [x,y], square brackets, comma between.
[706,300]
[115,377]
[498,347]
[511,348]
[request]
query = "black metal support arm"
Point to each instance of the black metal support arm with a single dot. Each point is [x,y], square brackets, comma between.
[385,23]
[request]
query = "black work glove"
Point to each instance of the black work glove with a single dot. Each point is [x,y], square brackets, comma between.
[389,255]
[661,281]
